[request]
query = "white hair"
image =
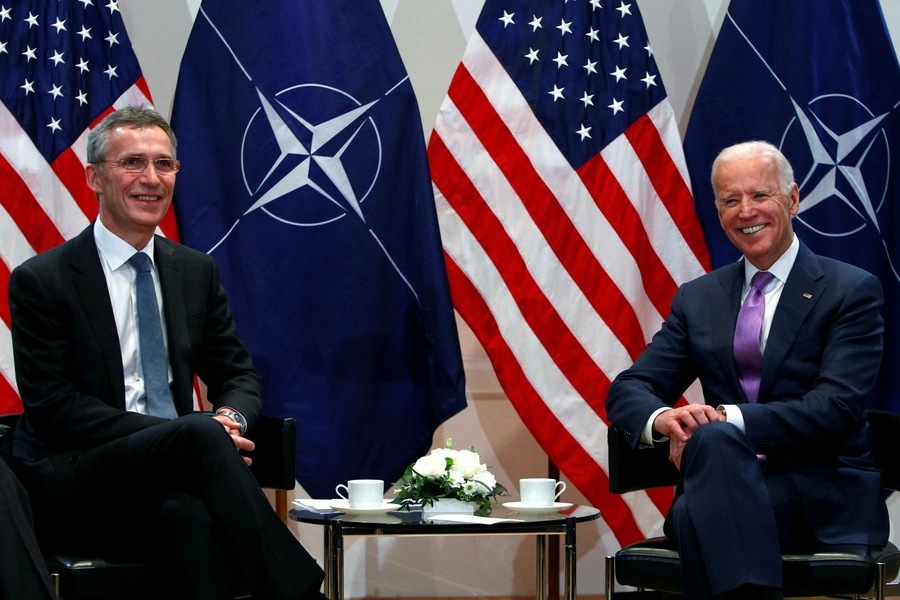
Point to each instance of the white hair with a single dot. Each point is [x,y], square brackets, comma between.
[752,149]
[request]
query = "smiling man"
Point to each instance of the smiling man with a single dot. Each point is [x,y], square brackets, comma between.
[108,332]
[787,346]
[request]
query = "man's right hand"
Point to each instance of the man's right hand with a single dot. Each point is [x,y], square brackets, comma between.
[679,423]
[240,443]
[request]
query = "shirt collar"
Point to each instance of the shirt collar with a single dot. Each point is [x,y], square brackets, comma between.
[780,269]
[113,249]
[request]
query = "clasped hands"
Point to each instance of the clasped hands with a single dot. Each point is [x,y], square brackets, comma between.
[234,430]
[678,424]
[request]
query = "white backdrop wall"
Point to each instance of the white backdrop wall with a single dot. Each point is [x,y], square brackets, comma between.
[431,35]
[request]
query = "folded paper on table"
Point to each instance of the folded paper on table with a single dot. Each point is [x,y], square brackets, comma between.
[317,505]
[464,518]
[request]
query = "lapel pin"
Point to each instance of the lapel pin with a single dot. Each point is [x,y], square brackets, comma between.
[807,295]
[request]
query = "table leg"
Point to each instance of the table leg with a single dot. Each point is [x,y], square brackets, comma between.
[540,567]
[571,587]
[328,560]
[337,542]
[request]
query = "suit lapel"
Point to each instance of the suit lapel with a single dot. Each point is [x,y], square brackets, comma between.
[724,316]
[171,280]
[90,284]
[802,290]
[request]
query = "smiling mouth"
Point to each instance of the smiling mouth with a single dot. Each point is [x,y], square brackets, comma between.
[749,230]
[147,198]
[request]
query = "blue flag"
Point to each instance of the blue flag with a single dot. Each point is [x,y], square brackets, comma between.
[304,174]
[820,80]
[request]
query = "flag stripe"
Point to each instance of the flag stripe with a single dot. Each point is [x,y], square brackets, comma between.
[553,334]
[554,170]
[541,203]
[44,187]
[70,171]
[534,411]
[9,397]
[23,209]
[4,300]
[623,216]
[671,189]
[489,187]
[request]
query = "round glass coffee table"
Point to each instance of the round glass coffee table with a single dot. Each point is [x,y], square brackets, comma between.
[404,523]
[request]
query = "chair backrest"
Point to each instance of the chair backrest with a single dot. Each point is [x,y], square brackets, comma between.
[885,433]
[633,469]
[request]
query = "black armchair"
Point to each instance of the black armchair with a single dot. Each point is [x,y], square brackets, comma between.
[82,577]
[653,564]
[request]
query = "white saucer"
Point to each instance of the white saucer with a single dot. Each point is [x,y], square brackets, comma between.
[551,508]
[344,506]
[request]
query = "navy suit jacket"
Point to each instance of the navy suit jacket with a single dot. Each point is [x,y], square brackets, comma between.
[822,356]
[69,364]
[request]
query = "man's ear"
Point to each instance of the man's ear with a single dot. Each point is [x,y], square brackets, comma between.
[92,175]
[794,199]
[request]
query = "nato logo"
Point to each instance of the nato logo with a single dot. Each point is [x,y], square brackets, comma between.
[310,156]
[296,151]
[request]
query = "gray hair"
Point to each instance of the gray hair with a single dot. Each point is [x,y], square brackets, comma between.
[135,117]
[752,149]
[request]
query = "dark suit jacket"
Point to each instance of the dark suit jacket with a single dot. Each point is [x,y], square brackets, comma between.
[822,356]
[69,364]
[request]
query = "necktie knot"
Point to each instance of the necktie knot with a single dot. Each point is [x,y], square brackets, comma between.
[141,262]
[761,279]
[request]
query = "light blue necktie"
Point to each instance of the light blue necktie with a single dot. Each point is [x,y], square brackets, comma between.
[747,353]
[153,350]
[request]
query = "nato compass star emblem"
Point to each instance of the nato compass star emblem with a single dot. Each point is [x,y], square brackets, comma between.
[843,175]
[299,161]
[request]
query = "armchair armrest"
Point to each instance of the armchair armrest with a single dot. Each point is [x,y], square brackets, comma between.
[633,469]
[274,458]
[5,442]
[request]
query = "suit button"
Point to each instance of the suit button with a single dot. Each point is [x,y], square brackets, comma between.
[73,459]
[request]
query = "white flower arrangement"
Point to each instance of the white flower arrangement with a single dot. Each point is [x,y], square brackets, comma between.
[449,473]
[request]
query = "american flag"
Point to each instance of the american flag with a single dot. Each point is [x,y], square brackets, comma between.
[567,219]
[64,64]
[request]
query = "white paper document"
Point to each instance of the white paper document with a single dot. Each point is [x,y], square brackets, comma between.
[460,518]
[317,505]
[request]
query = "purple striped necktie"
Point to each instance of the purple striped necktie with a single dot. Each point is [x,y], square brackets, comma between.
[747,353]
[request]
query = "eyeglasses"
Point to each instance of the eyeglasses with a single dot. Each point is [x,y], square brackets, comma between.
[138,164]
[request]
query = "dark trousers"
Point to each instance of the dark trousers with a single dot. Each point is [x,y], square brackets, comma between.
[179,496]
[23,573]
[732,521]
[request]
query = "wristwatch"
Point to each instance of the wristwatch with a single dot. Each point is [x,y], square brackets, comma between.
[721,410]
[234,416]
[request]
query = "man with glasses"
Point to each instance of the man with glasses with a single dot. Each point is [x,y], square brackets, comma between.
[787,346]
[108,331]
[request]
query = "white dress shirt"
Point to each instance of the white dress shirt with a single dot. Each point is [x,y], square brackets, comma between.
[120,281]
[772,293]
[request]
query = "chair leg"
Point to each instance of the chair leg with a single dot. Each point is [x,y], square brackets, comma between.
[879,581]
[610,577]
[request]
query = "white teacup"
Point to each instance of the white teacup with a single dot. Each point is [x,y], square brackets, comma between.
[362,493]
[540,491]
